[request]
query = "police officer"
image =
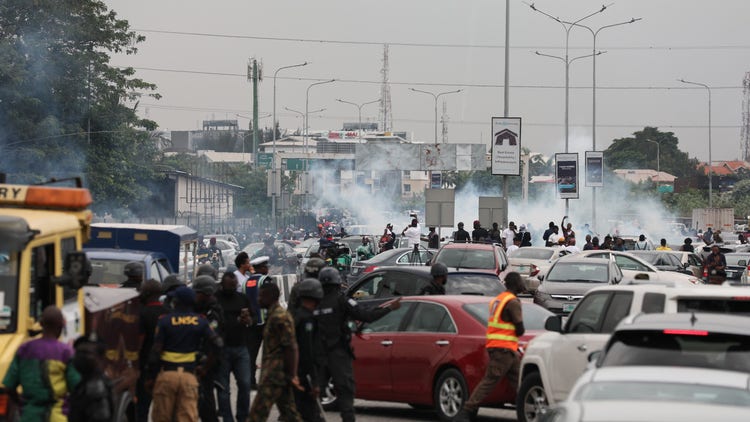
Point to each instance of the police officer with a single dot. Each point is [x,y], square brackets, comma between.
[170,283]
[151,310]
[312,269]
[439,273]
[505,326]
[255,333]
[208,307]
[134,272]
[333,314]
[311,356]
[178,339]
[207,269]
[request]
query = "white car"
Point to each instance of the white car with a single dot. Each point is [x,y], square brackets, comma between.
[554,360]
[635,269]
[228,251]
[532,262]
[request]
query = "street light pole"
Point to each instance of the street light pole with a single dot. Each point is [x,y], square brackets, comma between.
[307,105]
[359,108]
[273,162]
[710,161]
[658,167]
[436,96]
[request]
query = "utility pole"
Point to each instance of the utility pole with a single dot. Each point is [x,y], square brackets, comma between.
[254,74]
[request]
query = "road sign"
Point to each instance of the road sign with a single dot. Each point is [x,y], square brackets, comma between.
[265,159]
[492,209]
[506,146]
[439,207]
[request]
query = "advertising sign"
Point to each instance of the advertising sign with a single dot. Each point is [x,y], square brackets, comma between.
[506,146]
[566,175]
[594,168]
[436,180]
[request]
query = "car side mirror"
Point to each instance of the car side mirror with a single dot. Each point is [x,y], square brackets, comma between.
[642,276]
[540,277]
[594,356]
[553,323]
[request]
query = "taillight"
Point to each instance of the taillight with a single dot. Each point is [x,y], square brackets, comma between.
[705,271]
[687,332]
[534,270]
[741,298]
[370,268]
[4,404]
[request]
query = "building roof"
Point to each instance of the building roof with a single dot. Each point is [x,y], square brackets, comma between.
[642,175]
[725,168]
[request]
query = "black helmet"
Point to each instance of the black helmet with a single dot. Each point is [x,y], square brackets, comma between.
[310,288]
[171,282]
[329,275]
[133,269]
[313,267]
[207,269]
[438,269]
[204,284]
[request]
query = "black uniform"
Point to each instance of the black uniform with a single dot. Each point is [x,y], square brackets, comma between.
[311,359]
[432,289]
[333,314]
[461,236]
[206,399]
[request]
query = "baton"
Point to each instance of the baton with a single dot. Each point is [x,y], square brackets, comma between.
[317,401]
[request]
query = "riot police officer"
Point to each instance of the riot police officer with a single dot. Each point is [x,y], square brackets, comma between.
[312,269]
[333,315]
[311,356]
[134,272]
[207,306]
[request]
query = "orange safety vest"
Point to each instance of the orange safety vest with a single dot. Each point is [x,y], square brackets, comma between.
[501,334]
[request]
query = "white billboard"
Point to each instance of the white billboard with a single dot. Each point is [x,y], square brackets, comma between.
[506,146]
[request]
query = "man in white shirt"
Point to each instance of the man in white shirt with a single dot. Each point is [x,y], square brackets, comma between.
[242,261]
[412,233]
[572,248]
[509,234]
[516,244]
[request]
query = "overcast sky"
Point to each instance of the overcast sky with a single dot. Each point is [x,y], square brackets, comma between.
[707,42]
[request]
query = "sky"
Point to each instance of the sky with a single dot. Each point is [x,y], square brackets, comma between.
[442,45]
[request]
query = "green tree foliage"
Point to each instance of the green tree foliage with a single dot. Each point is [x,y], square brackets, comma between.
[62,111]
[637,153]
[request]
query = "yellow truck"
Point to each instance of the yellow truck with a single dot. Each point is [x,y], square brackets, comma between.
[42,230]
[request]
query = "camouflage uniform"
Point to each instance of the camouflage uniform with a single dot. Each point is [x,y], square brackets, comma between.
[274,385]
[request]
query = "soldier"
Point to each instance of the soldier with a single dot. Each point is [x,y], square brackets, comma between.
[312,268]
[333,314]
[279,366]
[310,293]
[207,306]
[177,341]
[504,327]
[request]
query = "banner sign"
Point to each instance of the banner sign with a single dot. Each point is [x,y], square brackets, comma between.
[506,146]
[594,168]
[566,175]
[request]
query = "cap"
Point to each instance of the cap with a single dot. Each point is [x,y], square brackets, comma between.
[260,261]
[184,295]
[438,269]
[133,269]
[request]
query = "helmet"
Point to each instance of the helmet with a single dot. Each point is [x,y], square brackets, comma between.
[313,267]
[171,282]
[268,240]
[133,269]
[329,275]
[204,284]
[310,288]
[207,269]
[438,269]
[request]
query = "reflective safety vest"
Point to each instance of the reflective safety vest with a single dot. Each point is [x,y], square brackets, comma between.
[501,334]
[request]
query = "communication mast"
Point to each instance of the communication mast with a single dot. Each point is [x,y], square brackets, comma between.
[444,121]
[386,116]
[745,136]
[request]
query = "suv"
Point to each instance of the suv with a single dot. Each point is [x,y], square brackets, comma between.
[554,360]
[485,257]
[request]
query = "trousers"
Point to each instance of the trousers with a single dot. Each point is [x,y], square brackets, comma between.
[339,368]
[503,363]
[235,359]
[175,397]
[267,395]
[254,341]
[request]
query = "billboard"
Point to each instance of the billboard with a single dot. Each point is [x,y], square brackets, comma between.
[594,168]
[506,146]
[566,175]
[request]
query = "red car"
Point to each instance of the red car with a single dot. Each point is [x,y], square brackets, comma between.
[431,353]
[475,256]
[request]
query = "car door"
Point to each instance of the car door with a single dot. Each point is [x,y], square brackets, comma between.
[420,349]
[587,330]
[373,344]
[634,270]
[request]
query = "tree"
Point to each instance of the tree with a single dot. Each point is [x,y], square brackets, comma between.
[636,153]
[63,110]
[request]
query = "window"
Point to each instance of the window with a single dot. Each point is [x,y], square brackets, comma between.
[653,303]
[424,256]
[159,270]
[398,283]
[42,270]
[369,287]
[627,263]
[407,174]
[429,317]
[407,188]
[588,314]
[618,309]
[392,321]
[67,246]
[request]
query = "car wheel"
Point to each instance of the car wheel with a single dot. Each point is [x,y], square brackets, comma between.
[328,396]
[531,402]
[450,394]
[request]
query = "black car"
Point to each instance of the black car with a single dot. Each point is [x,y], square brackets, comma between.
[393,257]
[736,265]
[386,282]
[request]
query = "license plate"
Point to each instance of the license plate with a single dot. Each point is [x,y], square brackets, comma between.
[568,307]
[730,274]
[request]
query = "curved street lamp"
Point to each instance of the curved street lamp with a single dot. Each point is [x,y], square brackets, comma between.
[436,96]
[710,162]
[359,108]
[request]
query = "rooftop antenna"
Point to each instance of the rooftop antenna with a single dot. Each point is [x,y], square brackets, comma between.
[745,135]
[386,116]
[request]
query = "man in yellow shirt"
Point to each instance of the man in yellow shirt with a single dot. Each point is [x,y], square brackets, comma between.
[663,246]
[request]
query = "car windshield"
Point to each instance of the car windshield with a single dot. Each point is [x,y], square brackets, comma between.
[734,260]
[685,348]
[478,284]
[664,391]
[482,259]
[9,262]
[578,272]
[528,253]
[534,316]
